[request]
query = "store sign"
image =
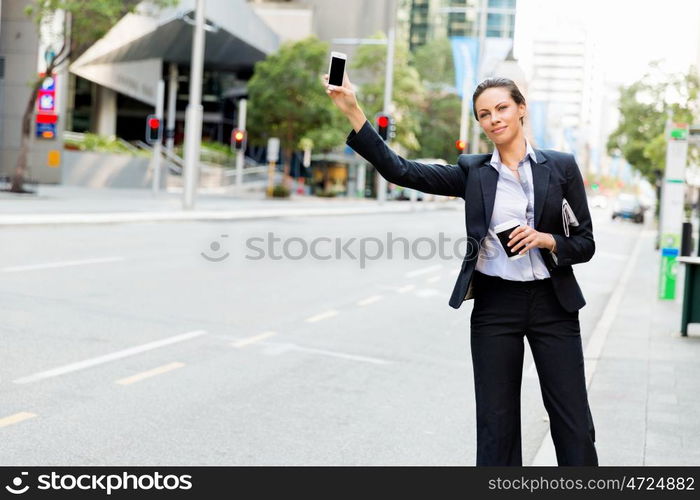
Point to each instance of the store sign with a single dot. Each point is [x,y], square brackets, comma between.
[46,117]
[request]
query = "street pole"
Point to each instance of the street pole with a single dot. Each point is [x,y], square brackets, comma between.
[476,130]
[388,85]
[193,118]
[672,206]
[158,146]
[239,154]
[172,102]
[466,85]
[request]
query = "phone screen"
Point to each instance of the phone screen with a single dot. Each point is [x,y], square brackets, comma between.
[337,71]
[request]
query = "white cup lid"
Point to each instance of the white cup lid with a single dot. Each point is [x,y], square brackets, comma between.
[505,225]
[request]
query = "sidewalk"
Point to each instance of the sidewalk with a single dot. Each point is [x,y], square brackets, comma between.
[646,386]
[643,377]
[78,205]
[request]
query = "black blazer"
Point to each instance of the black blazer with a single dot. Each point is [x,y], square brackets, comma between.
[555,176]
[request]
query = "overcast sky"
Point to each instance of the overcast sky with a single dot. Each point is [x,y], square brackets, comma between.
[630,33]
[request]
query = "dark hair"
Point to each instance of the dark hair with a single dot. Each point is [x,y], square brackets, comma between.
[498,82]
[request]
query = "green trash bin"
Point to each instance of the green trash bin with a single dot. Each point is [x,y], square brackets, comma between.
[691,293]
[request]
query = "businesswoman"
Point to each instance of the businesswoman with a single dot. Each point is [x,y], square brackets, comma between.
[536,295]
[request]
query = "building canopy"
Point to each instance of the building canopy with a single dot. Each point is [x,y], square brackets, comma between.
[129,58]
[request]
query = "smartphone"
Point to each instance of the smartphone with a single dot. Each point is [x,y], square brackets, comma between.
[336,68]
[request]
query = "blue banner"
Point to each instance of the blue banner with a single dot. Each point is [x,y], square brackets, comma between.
[465,53]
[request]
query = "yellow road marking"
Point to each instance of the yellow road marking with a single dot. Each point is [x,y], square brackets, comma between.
[16,418]
[252,340]
[370,300]
[323,315]
[150,373]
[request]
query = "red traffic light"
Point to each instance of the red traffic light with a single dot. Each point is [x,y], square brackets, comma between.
[460,144]
[154,129]
[383,125]
[238,139]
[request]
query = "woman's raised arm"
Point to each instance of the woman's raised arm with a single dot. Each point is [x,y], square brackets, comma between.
[431,178]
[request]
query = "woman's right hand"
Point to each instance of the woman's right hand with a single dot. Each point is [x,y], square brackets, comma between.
[344,96]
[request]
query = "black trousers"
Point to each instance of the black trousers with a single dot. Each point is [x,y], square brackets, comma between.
[504,312]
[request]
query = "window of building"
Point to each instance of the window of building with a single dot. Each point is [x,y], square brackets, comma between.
[502,4]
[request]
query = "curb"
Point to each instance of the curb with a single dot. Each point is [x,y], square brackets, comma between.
[198,215]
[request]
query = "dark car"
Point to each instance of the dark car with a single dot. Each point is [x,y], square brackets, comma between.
[628,207]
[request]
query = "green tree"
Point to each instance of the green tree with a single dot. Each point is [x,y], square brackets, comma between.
[439,121]
[287,99]
[408,92]
[434,63]
[440,113]
[644,108]
[86,21]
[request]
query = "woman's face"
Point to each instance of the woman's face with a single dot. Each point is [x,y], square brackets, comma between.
[498,115]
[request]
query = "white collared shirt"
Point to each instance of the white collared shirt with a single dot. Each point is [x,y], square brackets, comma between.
[513,198]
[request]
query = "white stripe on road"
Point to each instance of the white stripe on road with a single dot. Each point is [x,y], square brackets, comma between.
[81,365]
[406,288]
[150,373]
[424,270]
[16,418]
[432,279]
[64,263]
[370,300]
[274,348]
[546,455]
[323,315]
[252,340]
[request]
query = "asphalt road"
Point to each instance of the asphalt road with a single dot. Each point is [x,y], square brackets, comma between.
[126,344]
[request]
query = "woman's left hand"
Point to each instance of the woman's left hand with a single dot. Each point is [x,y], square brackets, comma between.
[523,238]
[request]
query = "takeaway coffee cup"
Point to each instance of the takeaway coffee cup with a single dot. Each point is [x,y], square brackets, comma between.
[503,232]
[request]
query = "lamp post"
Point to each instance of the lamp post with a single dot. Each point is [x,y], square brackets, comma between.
[193,117]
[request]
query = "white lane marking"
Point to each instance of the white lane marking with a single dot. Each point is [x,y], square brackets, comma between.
[433,279]
[87,363]
[427,292]
[252,340]
[546,455]
[323,315]
[282,348]
[16,418]
[405,288]
[370,300]
[424,270]
[64,263]
[150,373]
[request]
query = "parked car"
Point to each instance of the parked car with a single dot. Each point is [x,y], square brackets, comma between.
[628,206]
[405,194]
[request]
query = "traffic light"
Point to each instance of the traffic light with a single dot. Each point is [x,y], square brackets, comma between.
[383,123]
[154,129]
[460,145]
[238,139]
